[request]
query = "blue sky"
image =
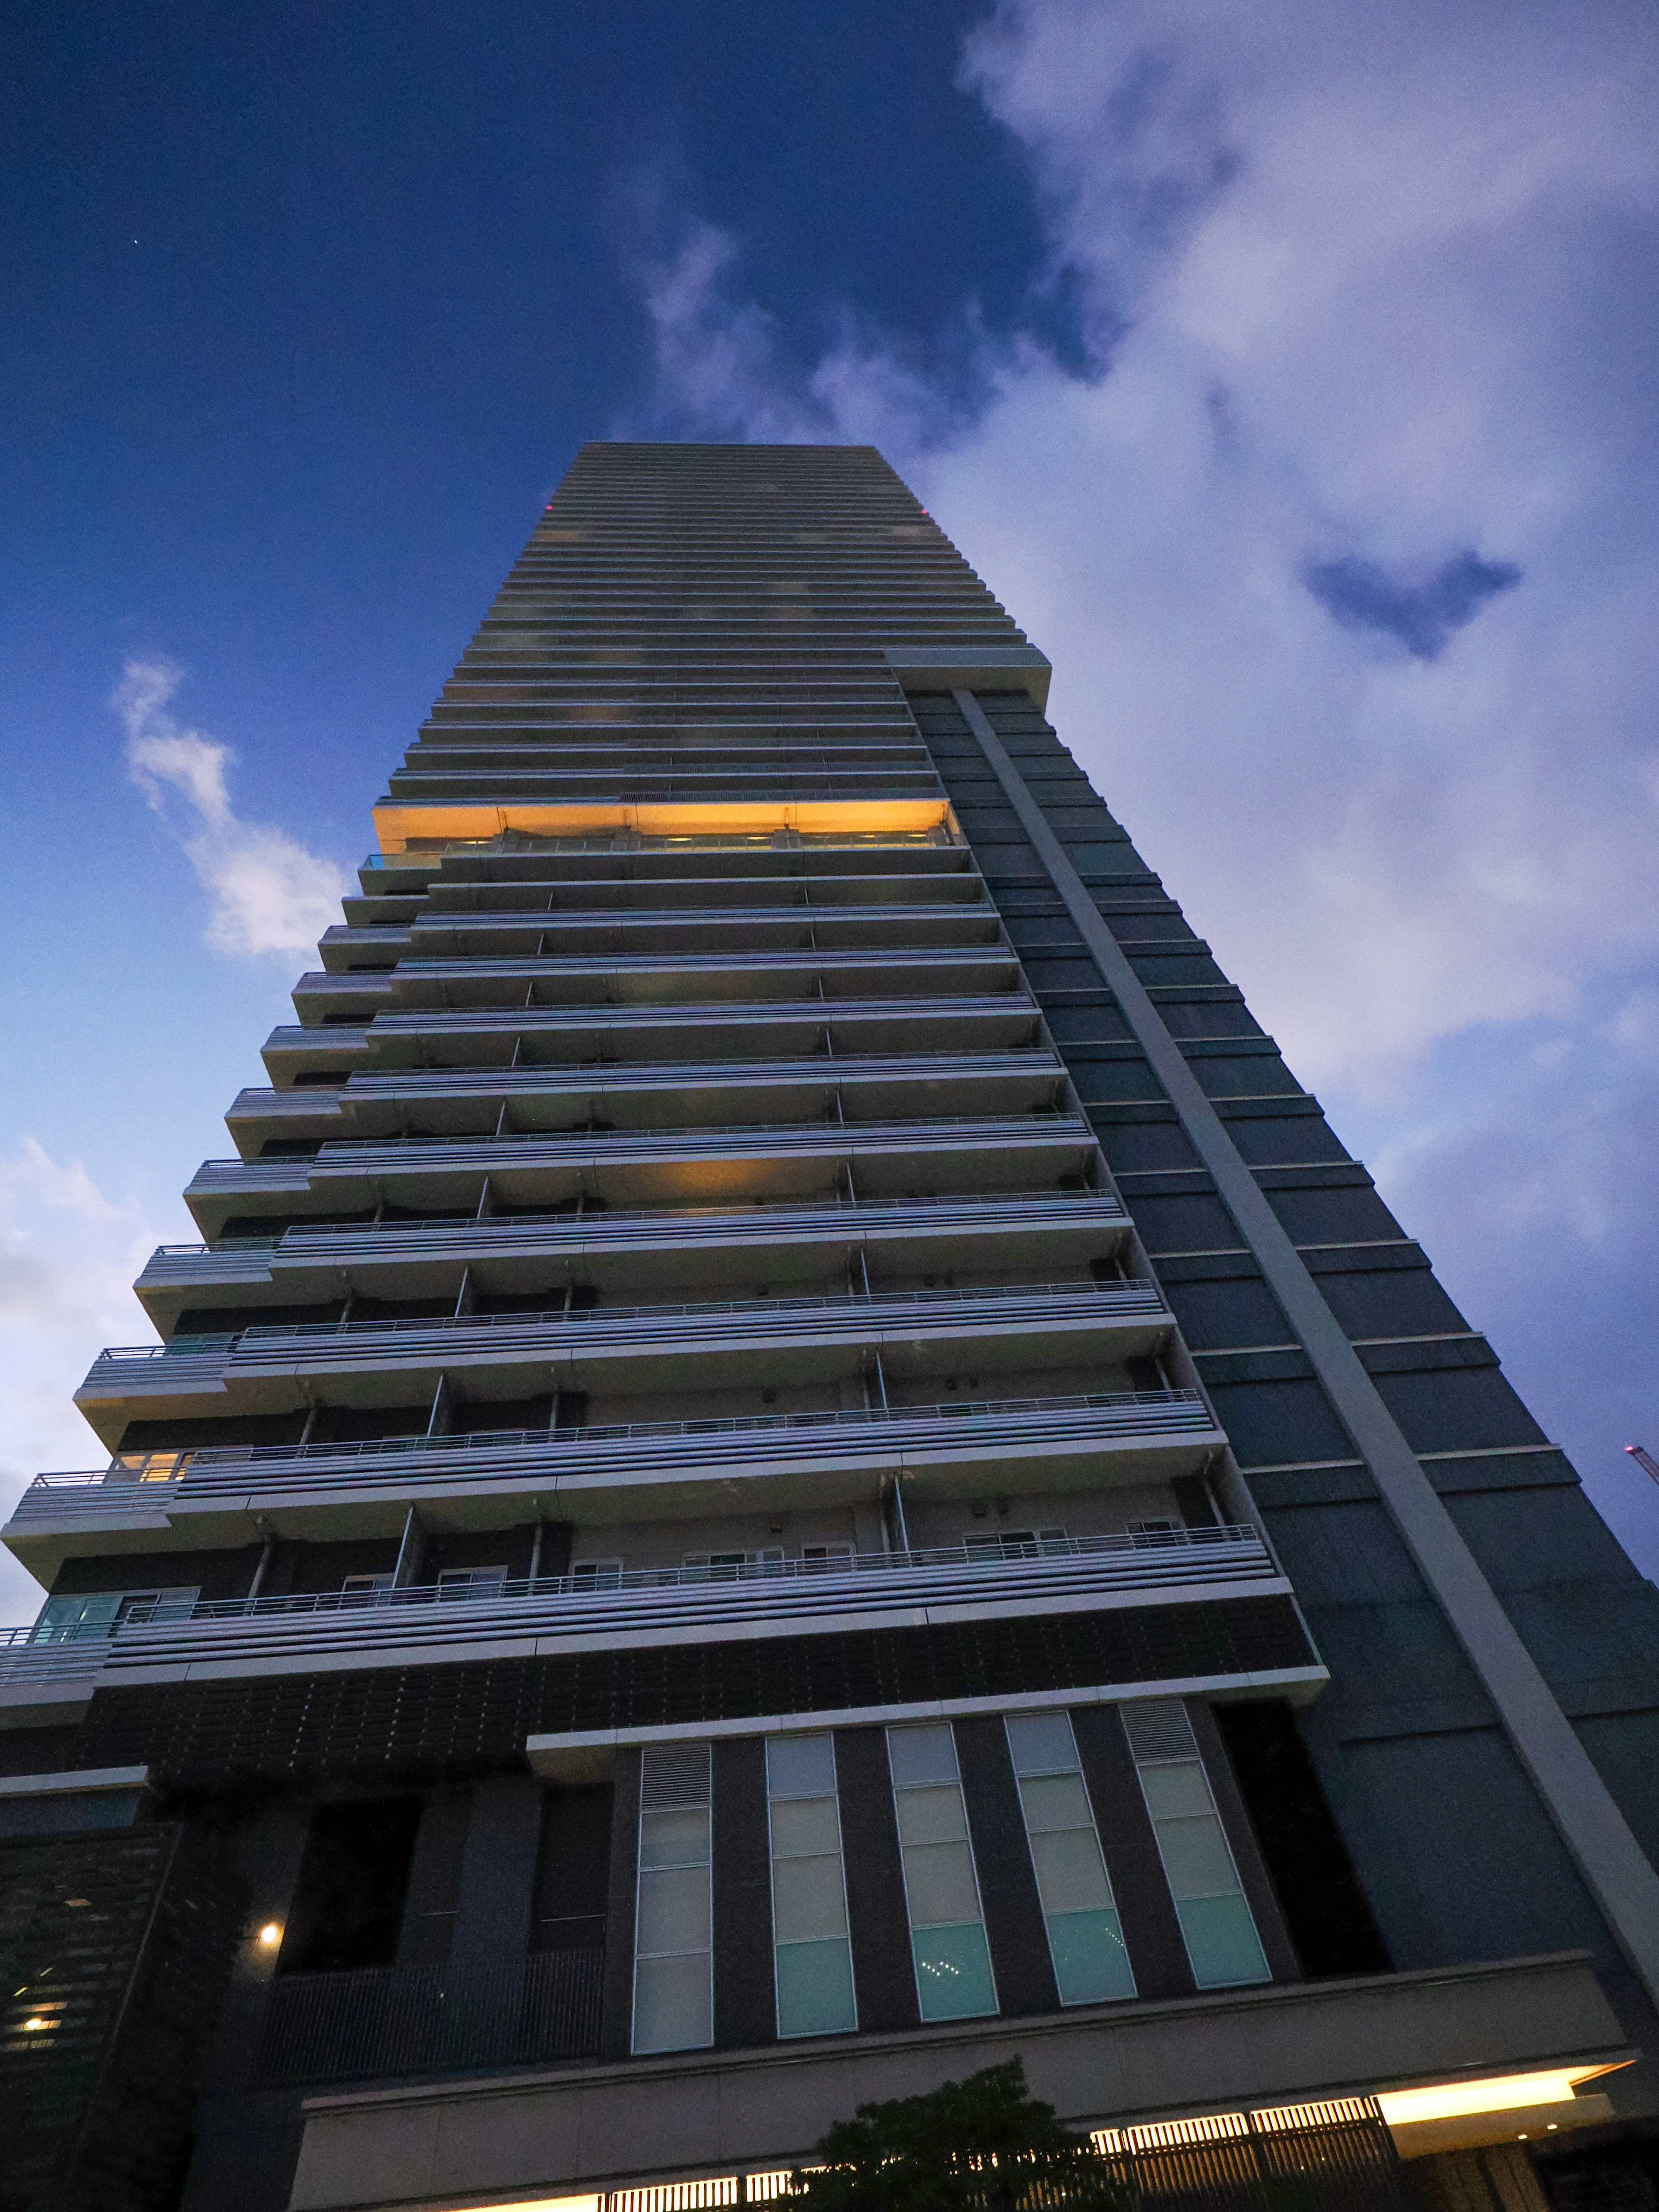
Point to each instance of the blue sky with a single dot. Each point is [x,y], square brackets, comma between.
[1287,371]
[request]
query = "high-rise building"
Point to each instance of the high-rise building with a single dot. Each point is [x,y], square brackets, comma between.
[793,1464]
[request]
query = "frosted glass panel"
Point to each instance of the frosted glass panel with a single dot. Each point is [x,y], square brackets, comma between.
[1196,1857]
[1173,1792]
[1071,1875]
[933,1815]
[1058,1801]
[953,1972]
[922,1754]
[1221,1941]
[1090,1962]
[811,1958]
[939,1879]
[673,2004]
[674,1909]
[803,1827]
[815,1988]
[1040,1743]
[807,1899]
[800,1766]
[675,1839]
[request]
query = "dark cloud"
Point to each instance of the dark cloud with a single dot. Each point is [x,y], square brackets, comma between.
[1423,615]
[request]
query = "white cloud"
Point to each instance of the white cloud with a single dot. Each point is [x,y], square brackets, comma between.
[270,894]
[68,1256]
[1373,284]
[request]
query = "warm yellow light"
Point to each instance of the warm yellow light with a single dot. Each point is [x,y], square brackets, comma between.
[269,1935]
[33,2025]
[1501,2093]
[396,825]
[550,2204]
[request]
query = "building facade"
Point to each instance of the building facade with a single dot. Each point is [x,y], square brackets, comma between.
[793,1464]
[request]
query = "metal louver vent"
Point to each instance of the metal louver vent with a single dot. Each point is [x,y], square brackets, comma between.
[1158,1729]
[675,1774]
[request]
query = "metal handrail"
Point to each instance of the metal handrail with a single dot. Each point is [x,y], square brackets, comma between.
[1132,1294]
[711,1138]
[197,1471]
[164,1634]
[763,1213]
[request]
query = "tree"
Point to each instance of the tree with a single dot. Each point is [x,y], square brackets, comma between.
[981,2145]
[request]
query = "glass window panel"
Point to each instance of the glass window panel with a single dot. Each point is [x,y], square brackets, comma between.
[1090,1962]
[953,1972]
[1175,1791]
[922,1754]
[800,1765]
[1221,1941]
[801,1827]
[1040,1743]
[673,2004]
[815,1988]
[930,1816]
[1070,1873]
[939,1879]
[673,1911]
[679,1838]
[807,1899]
[1196,1858]
[1057,1800]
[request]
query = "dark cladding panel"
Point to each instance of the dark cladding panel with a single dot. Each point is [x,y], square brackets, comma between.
[745,2012]
[876,1919]
[1007,1886]
[1152,1933]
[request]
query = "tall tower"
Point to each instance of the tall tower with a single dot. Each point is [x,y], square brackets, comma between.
[793,1464]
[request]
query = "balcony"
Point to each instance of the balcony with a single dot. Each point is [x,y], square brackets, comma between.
[794,1339]
[560,1613]
[644,1094]
[233,1494]
[1079,1225]
[661,1167]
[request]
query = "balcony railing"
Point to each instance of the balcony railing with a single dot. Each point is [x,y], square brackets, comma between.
[339,1241]
[890,1438]
[380,2021]
[619,1606]
[595,1328]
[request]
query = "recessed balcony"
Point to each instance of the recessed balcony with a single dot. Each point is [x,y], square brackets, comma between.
[555,1614]
[671,1094]
[1059,1230]
[800,1341]
[639,1470]
[663,1167]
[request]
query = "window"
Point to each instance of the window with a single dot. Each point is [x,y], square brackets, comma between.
[597,1574]
[1155,1532]
[811,1956]
[102,1612]
[1014,1543]
[1209,1899]
[673,1949]
[825,1559]
[951,1958]
[1086,1937]
[728,1566]
[472,1582]
[364,1589]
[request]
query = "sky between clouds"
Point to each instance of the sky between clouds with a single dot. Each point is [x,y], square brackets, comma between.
[1306,418]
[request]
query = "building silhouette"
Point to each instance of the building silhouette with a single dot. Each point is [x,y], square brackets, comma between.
[794,1464]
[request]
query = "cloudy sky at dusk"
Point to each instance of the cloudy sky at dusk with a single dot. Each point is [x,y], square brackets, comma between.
[1287,370]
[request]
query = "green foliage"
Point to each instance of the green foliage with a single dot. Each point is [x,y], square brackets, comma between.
[981,2145]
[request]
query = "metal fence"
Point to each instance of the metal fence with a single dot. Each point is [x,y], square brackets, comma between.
[383,2021]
